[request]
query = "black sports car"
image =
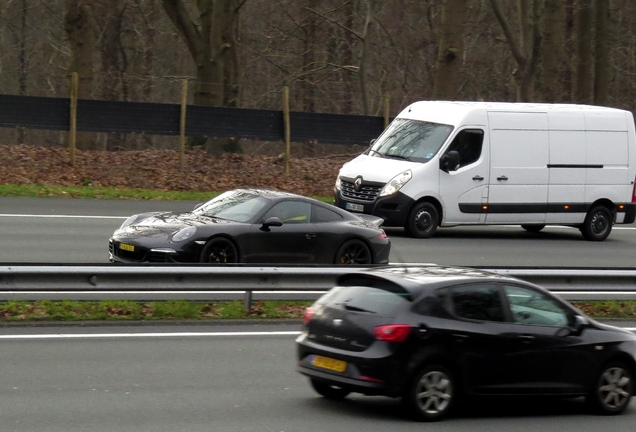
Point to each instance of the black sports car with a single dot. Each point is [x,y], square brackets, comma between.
[253,226]
[434,334]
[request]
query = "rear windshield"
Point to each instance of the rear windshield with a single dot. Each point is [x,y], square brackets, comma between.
[365,299]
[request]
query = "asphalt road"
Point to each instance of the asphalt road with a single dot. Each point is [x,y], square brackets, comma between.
[217,378]
[77,231]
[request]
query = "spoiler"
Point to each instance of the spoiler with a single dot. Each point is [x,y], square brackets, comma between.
[375,220]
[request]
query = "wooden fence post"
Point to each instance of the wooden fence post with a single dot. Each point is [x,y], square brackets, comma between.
[386,109]
[72,135]
[286,126]
[182,121]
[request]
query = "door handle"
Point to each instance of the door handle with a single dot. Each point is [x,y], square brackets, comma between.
[526,338]
[502,178]
[310,236]
[460,337]
[478,177]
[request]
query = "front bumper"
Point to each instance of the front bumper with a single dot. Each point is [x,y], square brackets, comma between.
[393,208]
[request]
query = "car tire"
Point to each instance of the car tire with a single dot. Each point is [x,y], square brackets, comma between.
[533,228]
[353,252]
[219,250]
[422,221]
[613,389]
[431,394]
[598,224]
[329,391]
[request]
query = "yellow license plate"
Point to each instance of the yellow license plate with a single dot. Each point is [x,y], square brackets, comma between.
[329,363]
[127,247]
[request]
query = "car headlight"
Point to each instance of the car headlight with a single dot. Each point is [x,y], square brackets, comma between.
[184,234]
[396,183]
[129,221]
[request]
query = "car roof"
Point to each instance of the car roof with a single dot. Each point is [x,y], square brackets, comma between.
[416,279]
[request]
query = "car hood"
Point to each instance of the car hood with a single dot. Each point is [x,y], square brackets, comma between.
[152,224]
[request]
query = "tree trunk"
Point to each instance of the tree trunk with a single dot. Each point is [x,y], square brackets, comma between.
[213,48]
[601,53]
[451,50]
[552,53]
[79,24]
[526,52]
[583,79]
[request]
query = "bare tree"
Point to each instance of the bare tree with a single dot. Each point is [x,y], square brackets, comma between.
[601,52]
[451,50]
[583,91]
[525,49]
[552,52]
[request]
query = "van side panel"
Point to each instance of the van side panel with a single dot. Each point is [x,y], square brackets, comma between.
[567,164]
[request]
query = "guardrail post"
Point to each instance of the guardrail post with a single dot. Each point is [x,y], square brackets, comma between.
[248,301]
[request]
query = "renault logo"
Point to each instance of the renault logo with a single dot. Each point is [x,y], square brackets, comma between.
[357,184]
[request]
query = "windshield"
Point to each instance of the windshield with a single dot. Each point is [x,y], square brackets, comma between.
[239,206]
[412,140]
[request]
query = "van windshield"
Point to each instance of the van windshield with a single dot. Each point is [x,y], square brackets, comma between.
[412,140]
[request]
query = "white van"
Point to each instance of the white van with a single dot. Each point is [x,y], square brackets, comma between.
[473,163]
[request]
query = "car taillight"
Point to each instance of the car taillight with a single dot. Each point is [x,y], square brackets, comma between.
[392,332]
[634,192]
[309,313]
[383,235]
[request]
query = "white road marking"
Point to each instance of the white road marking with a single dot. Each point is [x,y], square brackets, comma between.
[147,335]
[62,216]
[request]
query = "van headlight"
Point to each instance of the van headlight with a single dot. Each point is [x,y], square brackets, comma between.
[338,183]
[396,183]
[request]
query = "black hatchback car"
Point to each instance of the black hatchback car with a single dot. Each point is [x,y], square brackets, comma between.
[433,334]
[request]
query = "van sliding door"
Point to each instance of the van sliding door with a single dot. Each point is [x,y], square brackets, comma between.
[519,155]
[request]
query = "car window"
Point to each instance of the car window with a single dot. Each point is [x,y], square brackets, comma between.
[468,144]
[535,308]
[290,212]
[365,299]
[478,302]
[321,214]
[238,206]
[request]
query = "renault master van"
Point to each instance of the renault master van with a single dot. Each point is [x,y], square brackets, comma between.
[478,163]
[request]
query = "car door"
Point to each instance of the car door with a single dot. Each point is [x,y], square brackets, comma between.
[293,242]
[465,191]
[545,355]
[478,336]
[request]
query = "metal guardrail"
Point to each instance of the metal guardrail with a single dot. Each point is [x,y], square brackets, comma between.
[165,282]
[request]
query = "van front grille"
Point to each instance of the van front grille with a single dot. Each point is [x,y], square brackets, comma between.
[366,193]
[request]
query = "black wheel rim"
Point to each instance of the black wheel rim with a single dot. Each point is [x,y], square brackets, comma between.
[599,223]
[423,220]
[355,253]
[221,253]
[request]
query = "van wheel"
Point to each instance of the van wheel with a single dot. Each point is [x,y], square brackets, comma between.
[422,221]
[598,224]
[533,228]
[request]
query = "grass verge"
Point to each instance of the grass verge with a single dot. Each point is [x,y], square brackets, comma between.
[89,192]
[112,310]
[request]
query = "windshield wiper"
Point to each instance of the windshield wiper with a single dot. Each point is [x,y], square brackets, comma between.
[394,156]
[356,308]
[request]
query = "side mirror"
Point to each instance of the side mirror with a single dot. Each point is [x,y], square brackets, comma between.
[271,222]
[450,161]
[371,142]
[198,205]
[580,322]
